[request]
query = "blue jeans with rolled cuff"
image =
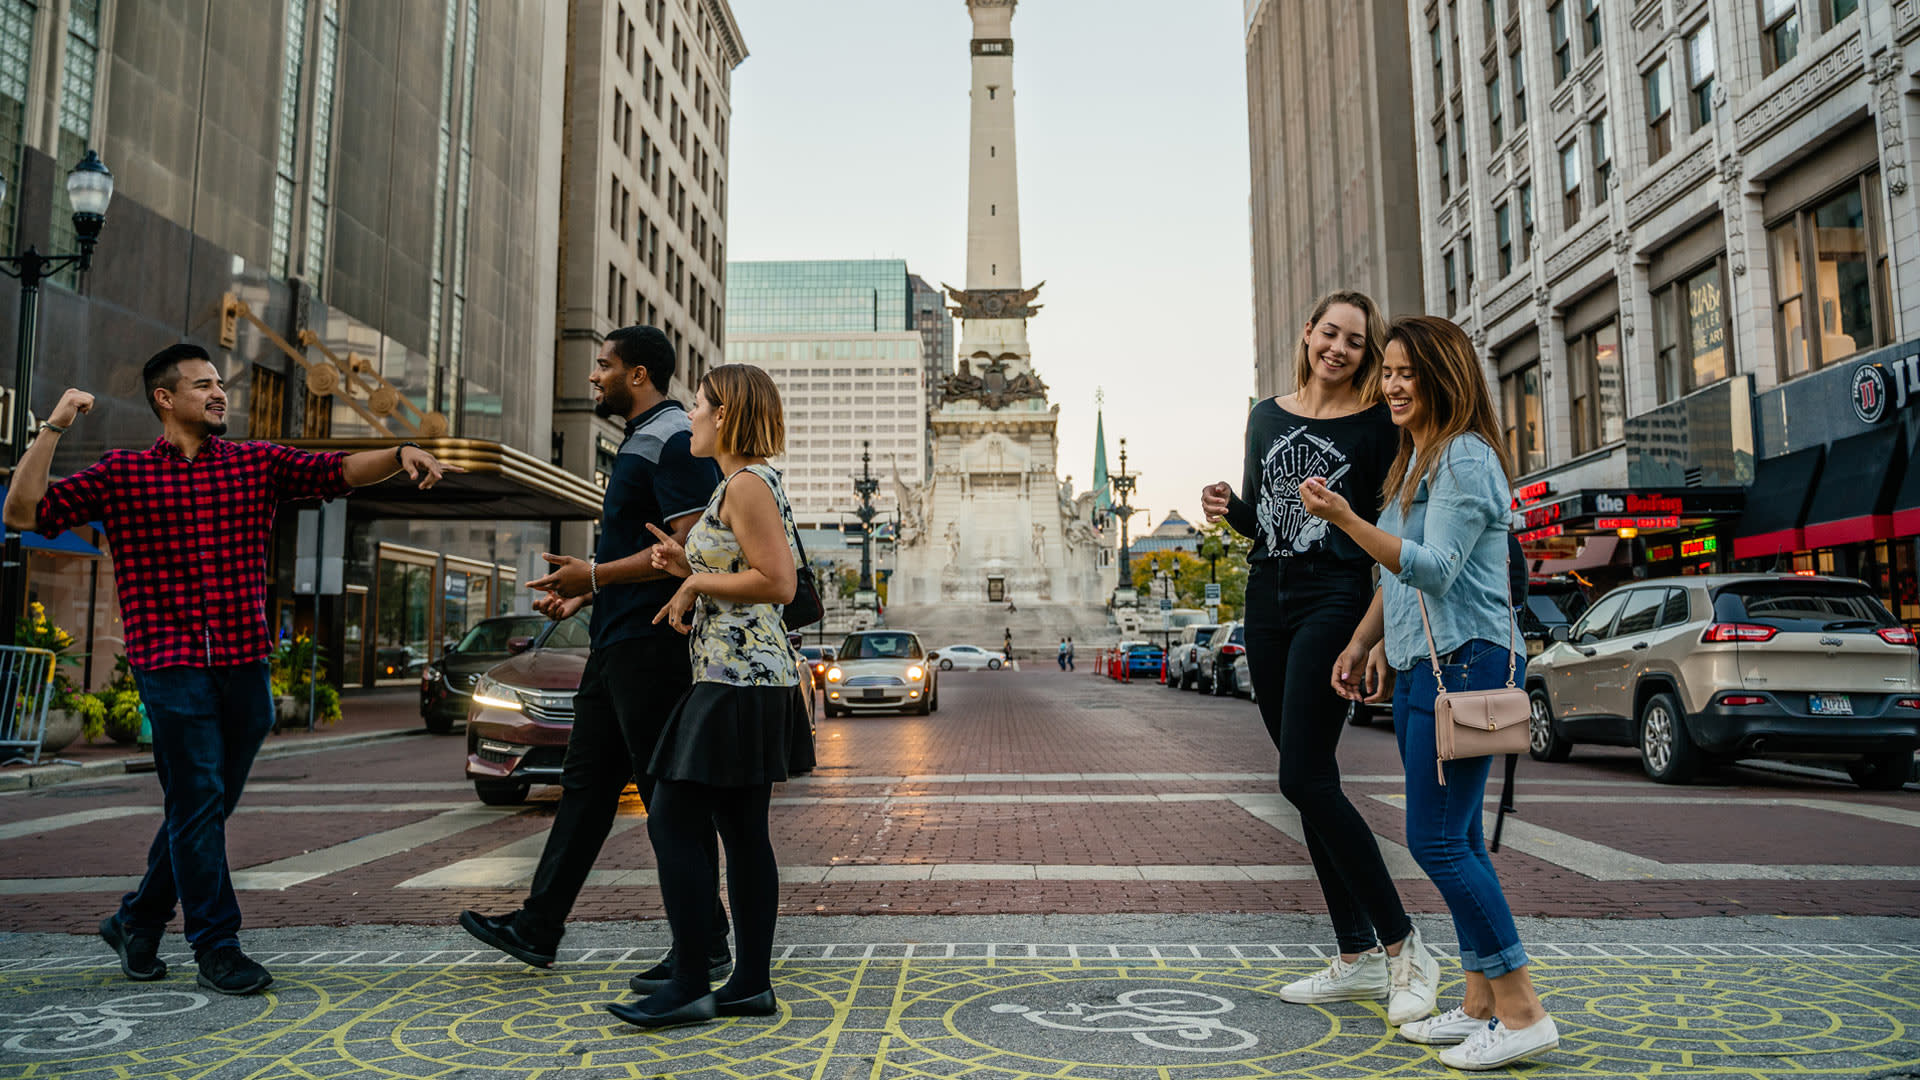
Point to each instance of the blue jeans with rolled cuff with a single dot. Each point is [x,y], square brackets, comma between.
[208,723]
[1444,820]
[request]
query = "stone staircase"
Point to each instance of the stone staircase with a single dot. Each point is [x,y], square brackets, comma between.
[1037,627]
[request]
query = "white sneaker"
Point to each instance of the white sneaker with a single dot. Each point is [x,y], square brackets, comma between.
[1450,1027]
[1413,982]
[1363,980]
[1496,1045]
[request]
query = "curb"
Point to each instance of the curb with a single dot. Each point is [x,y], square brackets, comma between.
[43,776]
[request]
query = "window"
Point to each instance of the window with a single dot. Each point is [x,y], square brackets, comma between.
[1526,222]
[1503,236]
[1439,64]
[1495,103]
[1830,270]
[1677,610]
[1779,33]
[1597,623]
[1466,260]
[1659,112]
[1700,69]
[1602,157]
[1597,391]
[1590,15]
[1489,19]
[1453,285]
[1642,611]
[1832,11]
[1446,165]
[1517,75]
[1570,183]
[1691,335]
[1520,399]
[16,60]
[1460,143]
[267,404]
[1562,42]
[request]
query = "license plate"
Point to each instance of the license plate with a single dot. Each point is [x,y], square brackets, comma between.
[870,694]
[1831,704]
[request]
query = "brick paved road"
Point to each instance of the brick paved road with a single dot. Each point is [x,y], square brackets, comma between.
[1029,792]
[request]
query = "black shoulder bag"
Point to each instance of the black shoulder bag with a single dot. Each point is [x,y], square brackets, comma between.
[805,608]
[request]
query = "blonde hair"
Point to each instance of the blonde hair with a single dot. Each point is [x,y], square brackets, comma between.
[1452,395]
[755,424]
[1366,378]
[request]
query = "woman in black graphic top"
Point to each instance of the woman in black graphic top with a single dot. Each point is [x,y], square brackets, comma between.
[1307,590]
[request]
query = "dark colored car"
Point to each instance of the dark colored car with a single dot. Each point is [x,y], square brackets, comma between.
[522,714]
[446,684]
[819,658]
[1553,601]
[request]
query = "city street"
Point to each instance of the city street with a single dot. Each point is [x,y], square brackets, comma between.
[1044,840]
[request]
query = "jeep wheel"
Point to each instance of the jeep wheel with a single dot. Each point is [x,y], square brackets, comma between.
[1666,749]
[1544,741]
[1882,772]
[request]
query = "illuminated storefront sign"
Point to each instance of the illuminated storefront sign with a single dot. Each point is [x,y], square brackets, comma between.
[1706,545]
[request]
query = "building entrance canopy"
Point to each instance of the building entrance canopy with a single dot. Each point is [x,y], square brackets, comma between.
[500,483]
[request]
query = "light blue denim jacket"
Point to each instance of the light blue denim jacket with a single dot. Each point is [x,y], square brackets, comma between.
[1453,548]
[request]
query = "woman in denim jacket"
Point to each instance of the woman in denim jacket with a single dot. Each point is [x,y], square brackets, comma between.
[1444,531]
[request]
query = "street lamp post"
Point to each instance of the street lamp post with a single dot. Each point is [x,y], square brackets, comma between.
[1123,485]
[865,486]
[89,190]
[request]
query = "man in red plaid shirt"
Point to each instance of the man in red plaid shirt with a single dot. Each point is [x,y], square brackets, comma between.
[189,519]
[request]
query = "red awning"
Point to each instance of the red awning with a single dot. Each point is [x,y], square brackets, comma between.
[1775,522]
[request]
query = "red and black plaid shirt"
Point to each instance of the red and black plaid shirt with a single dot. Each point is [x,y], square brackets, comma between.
[190,540]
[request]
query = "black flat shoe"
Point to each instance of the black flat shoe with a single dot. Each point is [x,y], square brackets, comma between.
[698,1011]
[501,934]
[655,978]
[760,1004]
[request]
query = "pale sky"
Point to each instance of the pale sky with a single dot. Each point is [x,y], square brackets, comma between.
[850,141]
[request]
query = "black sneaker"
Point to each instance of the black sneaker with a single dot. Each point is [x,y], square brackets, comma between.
[227,970]
[139,954]
[719,966]
[505,935]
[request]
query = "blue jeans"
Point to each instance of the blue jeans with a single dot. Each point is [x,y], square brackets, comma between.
[1443,820]
[208,722]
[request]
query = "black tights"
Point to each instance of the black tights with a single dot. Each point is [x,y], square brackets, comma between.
[681,822]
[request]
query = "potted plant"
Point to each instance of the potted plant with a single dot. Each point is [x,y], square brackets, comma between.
[71,712]
[297,677]
[120,705]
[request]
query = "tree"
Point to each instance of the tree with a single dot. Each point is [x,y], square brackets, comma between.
[1190,572]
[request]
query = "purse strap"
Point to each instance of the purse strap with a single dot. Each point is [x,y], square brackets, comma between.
[1513,655]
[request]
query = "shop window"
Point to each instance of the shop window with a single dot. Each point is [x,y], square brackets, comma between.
[1830,278]
[403,619]
[1779,33]
[1597,391]
[1692,337]
[1700,72]
[1520,401]
[1659,112]
[1562,42]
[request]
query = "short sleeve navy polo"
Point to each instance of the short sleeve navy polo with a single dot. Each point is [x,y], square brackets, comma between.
[655,479]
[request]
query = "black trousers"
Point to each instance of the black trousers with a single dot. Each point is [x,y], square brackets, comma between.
[627,691]
[1300,615]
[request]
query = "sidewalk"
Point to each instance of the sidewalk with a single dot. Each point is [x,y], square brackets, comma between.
[366,715]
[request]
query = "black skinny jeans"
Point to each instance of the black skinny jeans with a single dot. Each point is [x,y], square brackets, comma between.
[682,823]
[1300,615]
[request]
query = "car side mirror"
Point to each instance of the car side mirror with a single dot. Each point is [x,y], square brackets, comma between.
[1559,633]
[933,656]
[518,645]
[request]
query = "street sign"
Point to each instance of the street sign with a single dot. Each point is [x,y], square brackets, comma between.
[1213,594]
[1166,603]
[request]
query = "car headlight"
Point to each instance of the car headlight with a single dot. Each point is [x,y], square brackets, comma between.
[916,673]
[834,674]
[495,694]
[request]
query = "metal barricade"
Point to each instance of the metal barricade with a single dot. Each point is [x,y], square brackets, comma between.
[26,689]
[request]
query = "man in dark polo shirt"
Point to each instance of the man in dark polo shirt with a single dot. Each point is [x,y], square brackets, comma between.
[637,670]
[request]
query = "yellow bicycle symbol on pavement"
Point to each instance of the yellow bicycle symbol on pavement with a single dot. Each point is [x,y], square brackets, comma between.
[1149,1015]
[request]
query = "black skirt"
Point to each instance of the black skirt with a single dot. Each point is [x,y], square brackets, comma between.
[730,736]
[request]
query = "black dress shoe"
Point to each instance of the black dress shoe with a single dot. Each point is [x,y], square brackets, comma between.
[139,954]
[229,971]
[760,1004]
[719,966]
[698,1011]
[503,935]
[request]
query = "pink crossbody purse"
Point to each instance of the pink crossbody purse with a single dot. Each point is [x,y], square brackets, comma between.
[1476,723]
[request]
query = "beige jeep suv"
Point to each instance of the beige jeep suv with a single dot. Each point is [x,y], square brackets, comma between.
[1698,670]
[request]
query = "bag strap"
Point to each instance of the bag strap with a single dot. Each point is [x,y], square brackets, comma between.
[1513,642]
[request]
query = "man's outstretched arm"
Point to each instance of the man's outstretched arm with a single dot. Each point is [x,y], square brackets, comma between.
[28,484]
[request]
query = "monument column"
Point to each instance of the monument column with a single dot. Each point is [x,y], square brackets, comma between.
[993,185]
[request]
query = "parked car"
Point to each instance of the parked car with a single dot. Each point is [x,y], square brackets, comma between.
[1183,660]
[1555,600]
[818,659]
[1144,659]
[1701,670]
[1227,645]
[1243,679]
[446,684]
[967,658]
[881,671]
[522,713]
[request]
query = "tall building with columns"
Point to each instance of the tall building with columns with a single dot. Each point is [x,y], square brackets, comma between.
[1670,226]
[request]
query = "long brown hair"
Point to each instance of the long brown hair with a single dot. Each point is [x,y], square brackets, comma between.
[755,425]
[1451,393]
[1366,378]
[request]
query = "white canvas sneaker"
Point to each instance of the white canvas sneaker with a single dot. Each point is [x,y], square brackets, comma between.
[1413,982]
[1450,1027]
[1496,1045]
[1363,980]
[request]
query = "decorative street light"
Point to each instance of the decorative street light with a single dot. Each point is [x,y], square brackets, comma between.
[89,190]
[866,486]
[1123,485]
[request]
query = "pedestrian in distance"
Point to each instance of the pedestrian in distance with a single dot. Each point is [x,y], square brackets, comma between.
[1443,543]
[726,744]
[1006,643]
[636,670]
[191,519]
[1063,654]
[1307,588]
[1069,654]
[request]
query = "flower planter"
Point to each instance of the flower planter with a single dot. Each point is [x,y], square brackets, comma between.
[63,728]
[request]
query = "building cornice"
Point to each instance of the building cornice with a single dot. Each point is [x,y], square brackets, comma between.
[729,28]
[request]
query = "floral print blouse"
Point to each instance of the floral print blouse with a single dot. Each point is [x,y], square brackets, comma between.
[738,644]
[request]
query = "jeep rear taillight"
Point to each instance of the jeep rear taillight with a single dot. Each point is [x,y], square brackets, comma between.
[1728,633]
[1898,635]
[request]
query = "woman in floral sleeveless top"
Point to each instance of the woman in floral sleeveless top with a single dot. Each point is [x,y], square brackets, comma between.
[725,745]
